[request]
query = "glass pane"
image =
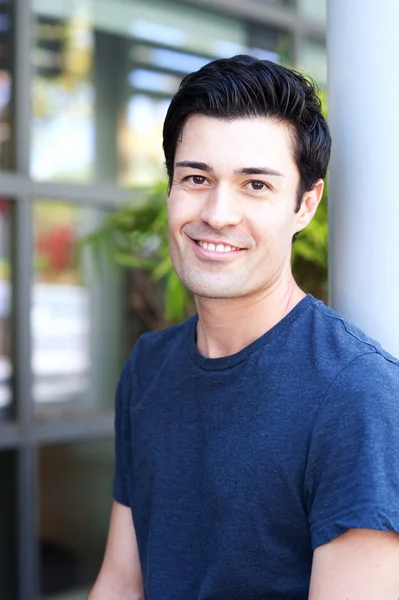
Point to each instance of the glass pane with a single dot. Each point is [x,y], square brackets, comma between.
[76,339]
[271,44]
[314,61]
[314,9]
[283,3]
[105,71]
[5,310]
[6,57]
[63,98]
[257,3]
[141,152]
[75,502]
[8,530]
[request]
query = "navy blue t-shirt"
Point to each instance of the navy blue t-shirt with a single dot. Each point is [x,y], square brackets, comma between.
[237,468]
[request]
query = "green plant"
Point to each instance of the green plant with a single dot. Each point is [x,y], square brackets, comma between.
[310,250]
[136,236]
[310,253]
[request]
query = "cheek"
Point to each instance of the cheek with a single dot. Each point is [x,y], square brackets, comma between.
[272,226]
[179,209]
[173,214]
[268,216]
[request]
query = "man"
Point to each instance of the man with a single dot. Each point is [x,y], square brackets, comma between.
[257,444]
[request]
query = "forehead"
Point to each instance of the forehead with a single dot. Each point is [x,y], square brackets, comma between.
[237,143]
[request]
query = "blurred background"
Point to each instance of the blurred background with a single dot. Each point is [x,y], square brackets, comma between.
[84,88]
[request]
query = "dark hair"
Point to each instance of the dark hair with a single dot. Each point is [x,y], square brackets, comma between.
[244,86]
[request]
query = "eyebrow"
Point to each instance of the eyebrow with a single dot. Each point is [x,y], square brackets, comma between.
[259,171]
[195,165]
[244,171]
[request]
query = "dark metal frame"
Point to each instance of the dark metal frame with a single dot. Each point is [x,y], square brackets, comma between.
[25,434]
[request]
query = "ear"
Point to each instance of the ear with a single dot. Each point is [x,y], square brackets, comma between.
[309,204]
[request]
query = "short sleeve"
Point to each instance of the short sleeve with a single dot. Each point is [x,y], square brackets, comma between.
[352,474]
[128,383]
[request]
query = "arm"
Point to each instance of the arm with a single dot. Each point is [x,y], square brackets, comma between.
[120,574]
[362,564]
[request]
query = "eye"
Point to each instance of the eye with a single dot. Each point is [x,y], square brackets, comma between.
[197,179]
[257,186]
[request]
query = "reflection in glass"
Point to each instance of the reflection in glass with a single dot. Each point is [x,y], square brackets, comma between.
[140,141]
[63,99]
[283,3]
[152,81]
[75,496]
[75,316]
[95,62]
[5,310]
[314,60]
[270,43]
[314,9]
[8,504]
[105,71]
[6,151]
[181,62]
[278,3]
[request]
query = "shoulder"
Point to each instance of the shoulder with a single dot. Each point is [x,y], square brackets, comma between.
[332,324]
[167,338]
[153,349]
[361,402]
[367,389]
[344,351]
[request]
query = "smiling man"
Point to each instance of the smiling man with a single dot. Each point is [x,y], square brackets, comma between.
[257,444]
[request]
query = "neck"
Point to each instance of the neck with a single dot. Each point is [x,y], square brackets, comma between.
[226,326]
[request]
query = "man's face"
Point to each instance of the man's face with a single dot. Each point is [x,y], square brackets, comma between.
[232,206]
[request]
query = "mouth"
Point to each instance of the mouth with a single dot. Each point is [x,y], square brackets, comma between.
[215,251]
[212,247]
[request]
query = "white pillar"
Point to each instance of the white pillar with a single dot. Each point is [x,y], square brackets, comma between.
[363,88]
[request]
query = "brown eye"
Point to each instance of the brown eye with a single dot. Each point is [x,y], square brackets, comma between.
[198,180]
[257,185]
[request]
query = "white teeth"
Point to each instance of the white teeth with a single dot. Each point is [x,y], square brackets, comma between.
[216,248]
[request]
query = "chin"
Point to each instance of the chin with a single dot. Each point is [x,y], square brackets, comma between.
[215,295]
[206,285]
[214,292]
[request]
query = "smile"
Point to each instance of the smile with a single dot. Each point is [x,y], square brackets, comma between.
[216,247]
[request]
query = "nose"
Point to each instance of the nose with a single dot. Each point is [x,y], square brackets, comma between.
[221,208]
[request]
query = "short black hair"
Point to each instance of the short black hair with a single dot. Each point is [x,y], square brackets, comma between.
[243,87]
